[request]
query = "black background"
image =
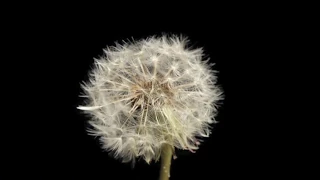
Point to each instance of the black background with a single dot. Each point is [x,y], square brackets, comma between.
[62,45]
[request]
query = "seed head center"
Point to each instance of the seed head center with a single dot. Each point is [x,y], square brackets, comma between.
[152,93]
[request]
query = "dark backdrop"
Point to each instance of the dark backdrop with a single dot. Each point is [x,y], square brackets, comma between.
[62,45]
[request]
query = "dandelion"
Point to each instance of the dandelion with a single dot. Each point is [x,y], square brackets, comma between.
[149,97]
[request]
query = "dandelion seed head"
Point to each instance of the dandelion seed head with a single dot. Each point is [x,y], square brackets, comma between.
[143,94]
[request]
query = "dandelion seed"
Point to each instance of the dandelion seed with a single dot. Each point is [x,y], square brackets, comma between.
[150,93]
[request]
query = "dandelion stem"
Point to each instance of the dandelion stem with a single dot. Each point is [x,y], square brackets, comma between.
[166,156]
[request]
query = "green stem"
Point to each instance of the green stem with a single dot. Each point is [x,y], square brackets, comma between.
[166,156]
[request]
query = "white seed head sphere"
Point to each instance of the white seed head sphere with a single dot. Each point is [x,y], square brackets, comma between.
[143,94]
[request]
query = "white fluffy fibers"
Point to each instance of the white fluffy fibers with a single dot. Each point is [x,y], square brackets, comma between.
[143,94]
